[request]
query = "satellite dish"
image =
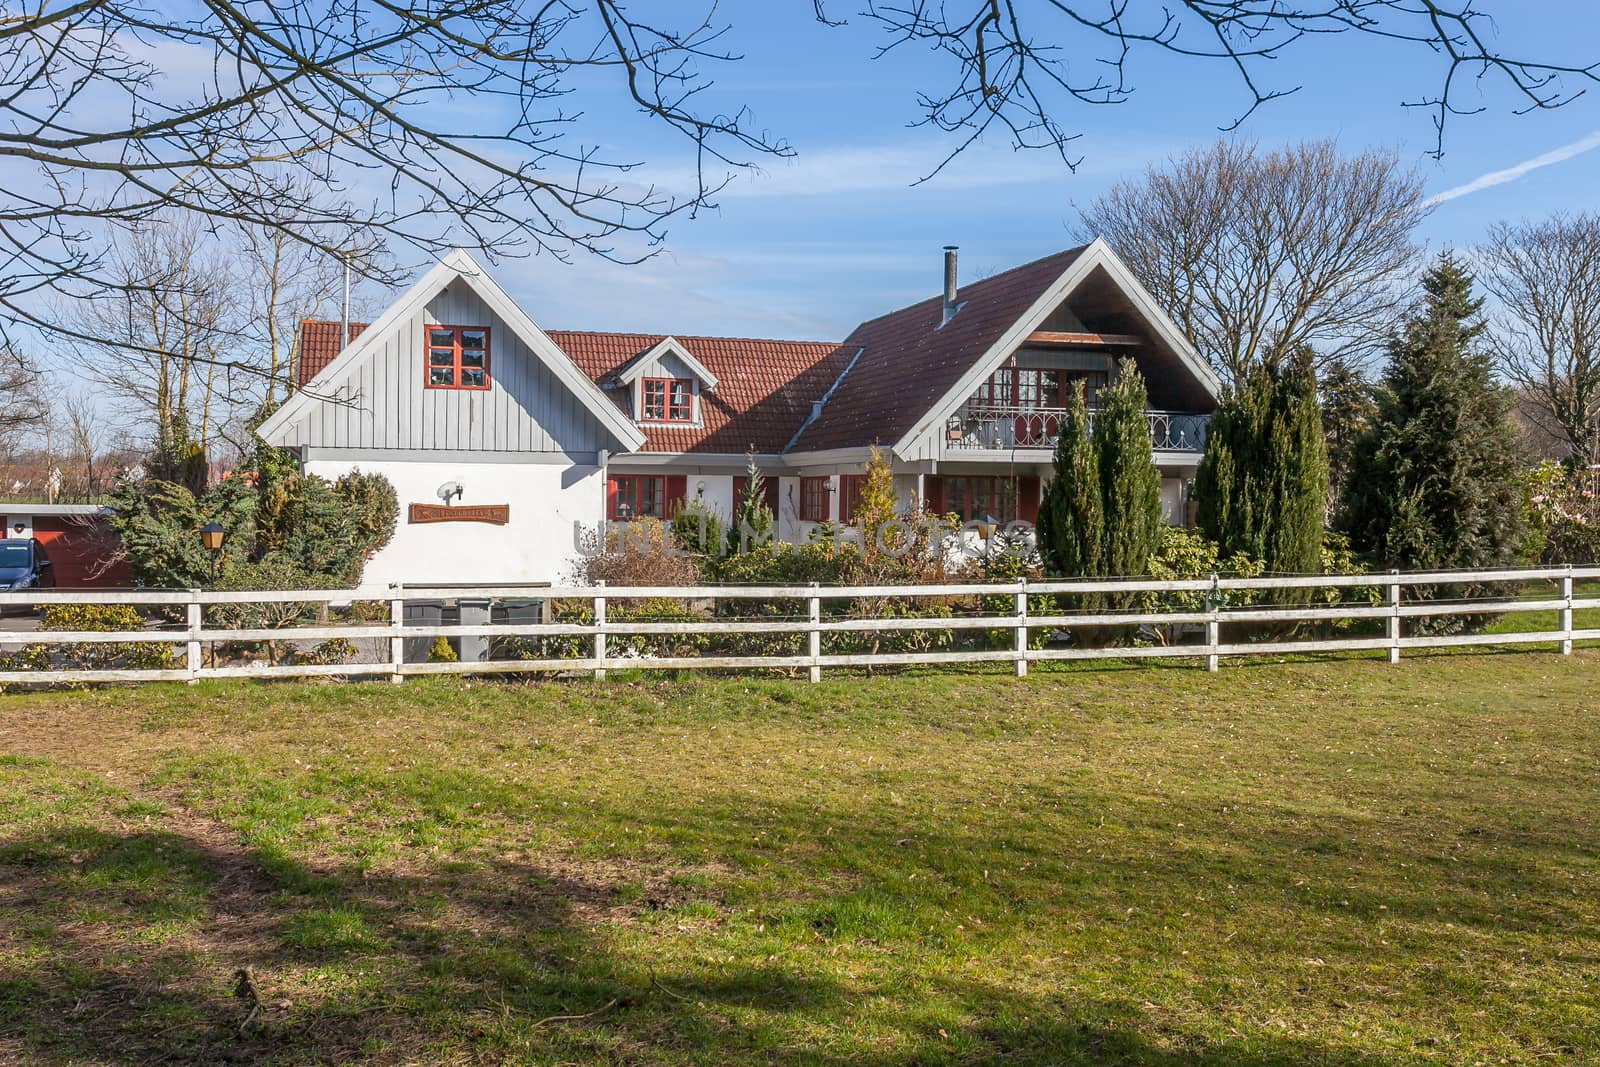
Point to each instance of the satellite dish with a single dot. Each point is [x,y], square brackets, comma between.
[450,489]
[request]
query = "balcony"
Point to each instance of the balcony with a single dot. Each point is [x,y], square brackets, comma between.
[1003,427]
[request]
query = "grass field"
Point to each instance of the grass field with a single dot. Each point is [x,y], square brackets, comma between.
[1335,863]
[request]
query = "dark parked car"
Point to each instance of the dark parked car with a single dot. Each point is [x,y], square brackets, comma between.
[23,565]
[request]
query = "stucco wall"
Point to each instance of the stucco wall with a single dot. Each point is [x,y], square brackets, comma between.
[545,499]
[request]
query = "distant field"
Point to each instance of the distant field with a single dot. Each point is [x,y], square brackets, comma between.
[1331,863]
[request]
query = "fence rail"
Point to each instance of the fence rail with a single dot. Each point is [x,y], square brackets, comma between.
[1019,622]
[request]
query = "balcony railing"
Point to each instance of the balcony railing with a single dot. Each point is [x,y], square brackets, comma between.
[1002,427]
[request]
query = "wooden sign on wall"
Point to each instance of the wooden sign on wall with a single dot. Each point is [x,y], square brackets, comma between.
[498,514]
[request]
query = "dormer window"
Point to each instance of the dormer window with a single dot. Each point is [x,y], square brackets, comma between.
[458,357]
[668,400]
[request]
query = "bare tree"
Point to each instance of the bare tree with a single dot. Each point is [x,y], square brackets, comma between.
[339,124]
[80,431]
[24,407]
[286,282]
[157,338]
[1256,253]
[1015,64]
[1546,277]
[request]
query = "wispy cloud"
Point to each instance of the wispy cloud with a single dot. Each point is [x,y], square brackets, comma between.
[1511,174]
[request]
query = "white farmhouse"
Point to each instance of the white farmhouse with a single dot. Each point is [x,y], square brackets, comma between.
[505,441]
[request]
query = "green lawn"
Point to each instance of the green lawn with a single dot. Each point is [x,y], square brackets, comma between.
[1337,863]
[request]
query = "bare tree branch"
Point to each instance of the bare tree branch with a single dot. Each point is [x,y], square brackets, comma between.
[1255,253]
[338,125]
[1546,277]
[1015,63]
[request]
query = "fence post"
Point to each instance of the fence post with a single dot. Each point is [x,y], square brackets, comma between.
[397,644]
[1394,619]
[600,635]
[1213,624]
[1022,629]
[1566,612]
[814,614]
[193,616]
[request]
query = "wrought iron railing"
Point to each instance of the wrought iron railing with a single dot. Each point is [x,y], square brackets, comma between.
[1004,427]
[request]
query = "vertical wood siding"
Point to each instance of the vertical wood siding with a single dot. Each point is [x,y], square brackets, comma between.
[381,402]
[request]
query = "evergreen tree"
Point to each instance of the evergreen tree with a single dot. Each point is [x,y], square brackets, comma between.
[1436,479]
[1070,528]
[752,519]
[1262,485]
[1348,408]
[1130,484]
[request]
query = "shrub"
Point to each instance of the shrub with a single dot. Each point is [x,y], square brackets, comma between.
[324,531]
[641,552]
[98,618]
[336,650]
[699,530]
[441,652]
[1564,514]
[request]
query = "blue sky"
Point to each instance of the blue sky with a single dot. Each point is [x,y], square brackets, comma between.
[813,245]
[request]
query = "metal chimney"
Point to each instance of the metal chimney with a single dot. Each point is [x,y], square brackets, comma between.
[950,305]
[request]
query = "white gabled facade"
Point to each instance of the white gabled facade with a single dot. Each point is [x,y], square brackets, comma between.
[503,450]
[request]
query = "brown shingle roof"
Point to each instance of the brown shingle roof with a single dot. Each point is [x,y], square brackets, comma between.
[908,362]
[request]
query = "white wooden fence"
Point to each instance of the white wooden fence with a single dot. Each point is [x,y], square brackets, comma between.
[820,611]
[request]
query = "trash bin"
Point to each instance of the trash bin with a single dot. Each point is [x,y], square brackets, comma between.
[514,611]
[426,613]
[472,611]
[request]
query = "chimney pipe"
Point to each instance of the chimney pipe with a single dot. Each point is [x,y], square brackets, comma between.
[949,283]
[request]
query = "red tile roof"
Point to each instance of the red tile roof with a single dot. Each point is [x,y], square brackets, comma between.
[765,389]
[908,362]
[319,343]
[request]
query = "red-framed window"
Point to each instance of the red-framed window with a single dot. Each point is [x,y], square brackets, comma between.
[668,400]
[640,496]
[636,496]
[814,499]
[974,497]
[850,487]
[457,357]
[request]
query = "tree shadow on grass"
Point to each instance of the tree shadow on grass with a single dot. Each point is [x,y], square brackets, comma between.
[123,948]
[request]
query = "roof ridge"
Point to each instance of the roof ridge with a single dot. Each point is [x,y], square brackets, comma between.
[694,336]
[1074,252]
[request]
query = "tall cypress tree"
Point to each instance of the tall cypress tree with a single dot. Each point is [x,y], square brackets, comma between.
[1130,484]
[1070,525]
[1436,480]
[1262,485]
